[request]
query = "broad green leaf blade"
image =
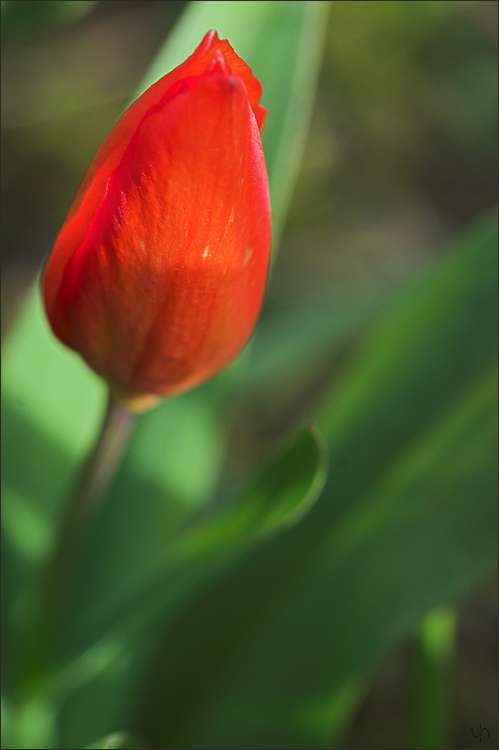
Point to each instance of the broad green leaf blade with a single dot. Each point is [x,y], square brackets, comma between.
[30,724]
[44,395]
[406,523]
[295,337]
[118,741]
[51,405]
[277,498]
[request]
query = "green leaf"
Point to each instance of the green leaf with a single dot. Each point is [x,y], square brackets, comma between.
[30,724]
[105,641]
[118,741]
[406,523]
[276,498]
[435,652]
[50,410]
[101,634]
[295,337]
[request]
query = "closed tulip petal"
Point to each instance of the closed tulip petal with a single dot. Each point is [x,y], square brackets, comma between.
[158,274]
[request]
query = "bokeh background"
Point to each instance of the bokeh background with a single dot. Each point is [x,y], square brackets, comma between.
[401,155]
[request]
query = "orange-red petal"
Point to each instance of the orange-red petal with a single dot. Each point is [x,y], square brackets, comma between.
[158,274]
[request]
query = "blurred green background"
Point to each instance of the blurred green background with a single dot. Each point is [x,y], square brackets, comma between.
[400,159]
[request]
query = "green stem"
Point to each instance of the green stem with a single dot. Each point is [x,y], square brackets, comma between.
[434,650]
[95,477]
[90,488]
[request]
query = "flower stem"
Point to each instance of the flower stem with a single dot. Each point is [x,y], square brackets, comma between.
[90,488]
[95,477]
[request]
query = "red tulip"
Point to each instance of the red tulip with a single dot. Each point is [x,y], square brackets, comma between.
[158,273]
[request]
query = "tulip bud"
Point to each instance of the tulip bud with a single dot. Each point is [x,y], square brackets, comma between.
[158,273]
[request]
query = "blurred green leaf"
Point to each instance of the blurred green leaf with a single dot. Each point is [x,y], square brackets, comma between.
[102,633]
[276,498]
[6,716]
[407,522]
[118,741]
[32,15]
[295,337]
[29,724]
[434,646]
[50,411]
